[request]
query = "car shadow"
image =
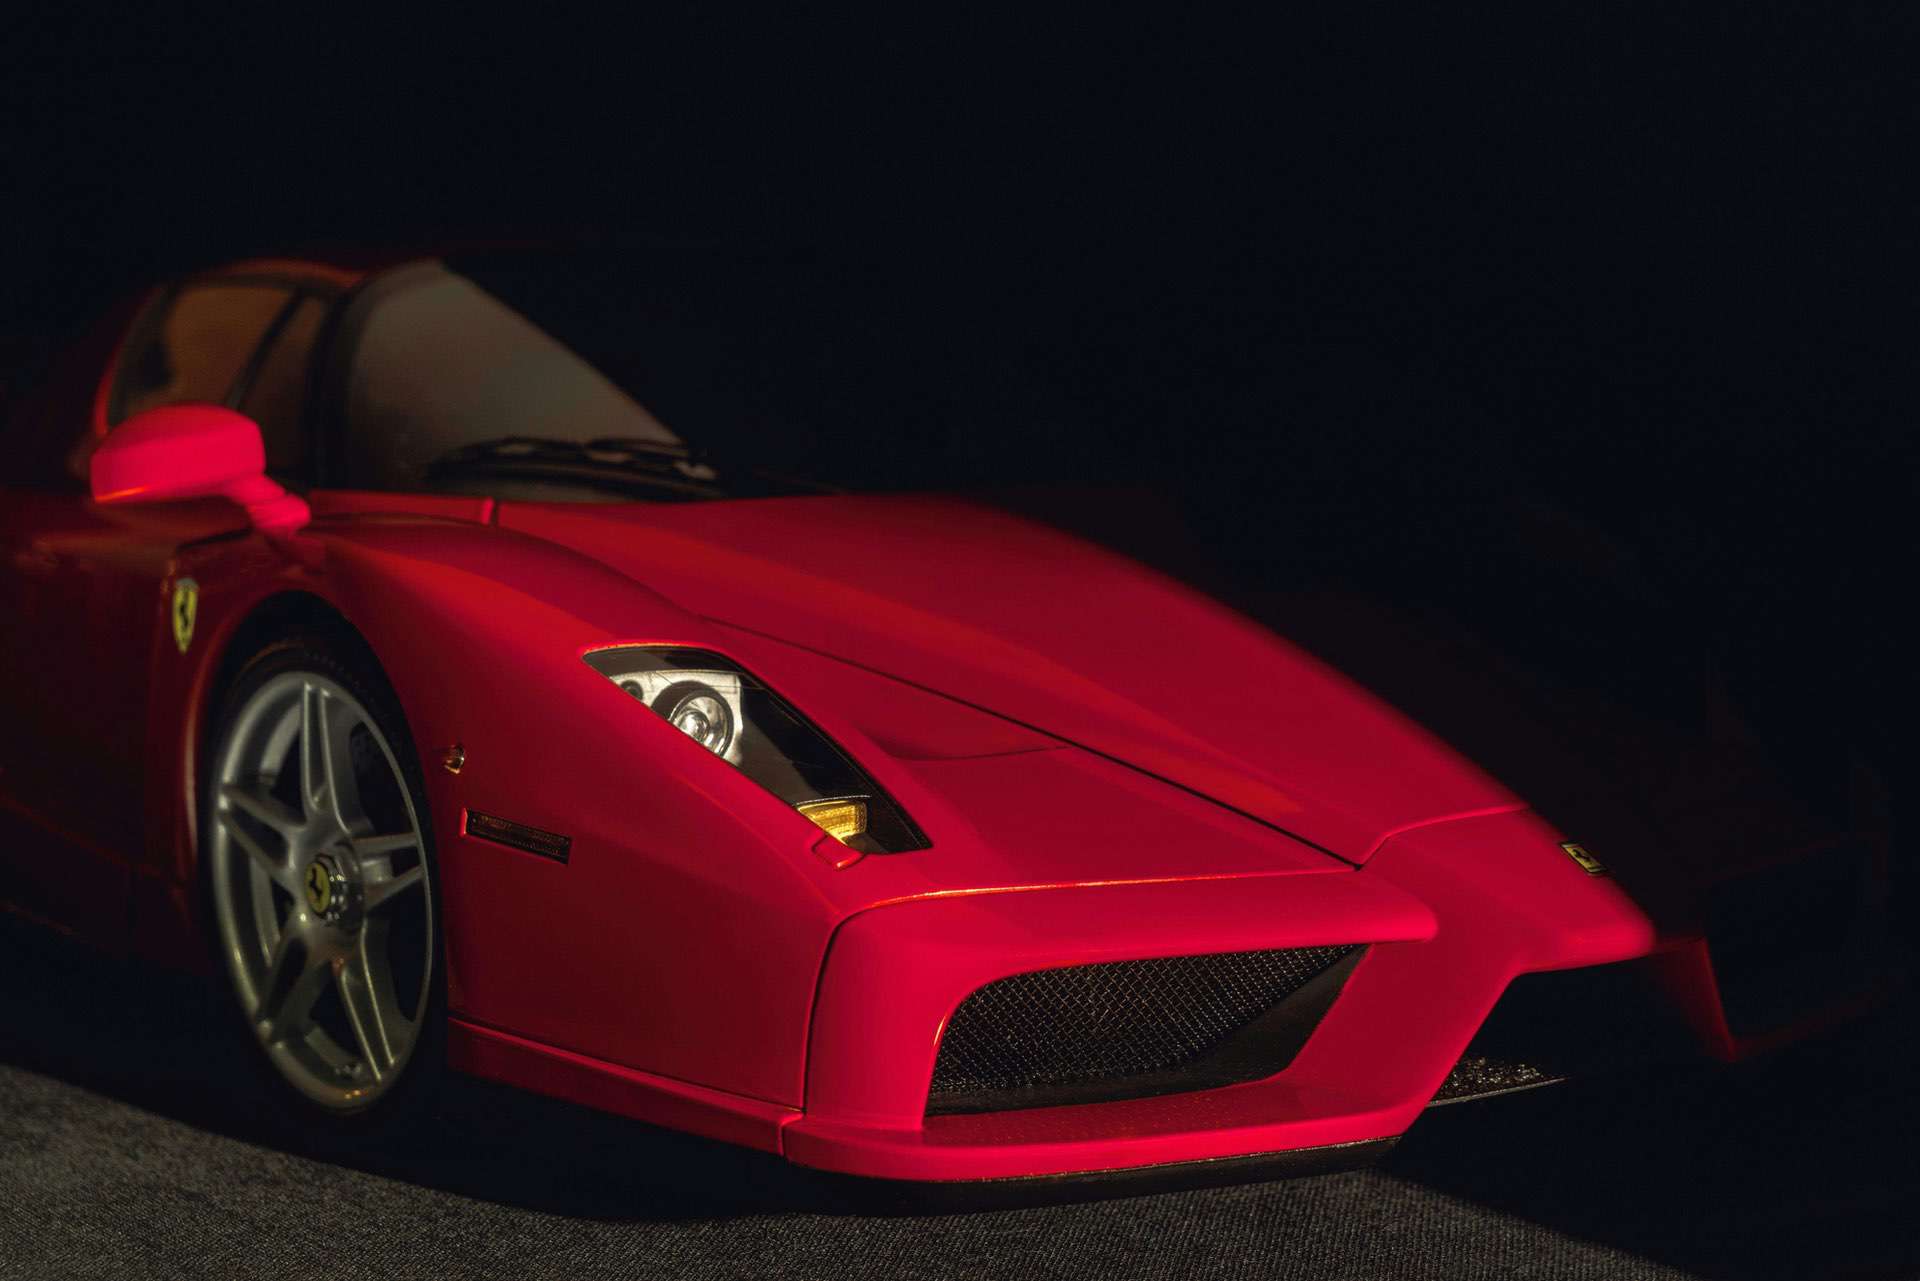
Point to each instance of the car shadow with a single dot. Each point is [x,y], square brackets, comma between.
[1793,1165]
[164,1042]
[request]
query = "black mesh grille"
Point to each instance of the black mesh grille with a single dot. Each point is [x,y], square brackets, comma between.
[1128,1028]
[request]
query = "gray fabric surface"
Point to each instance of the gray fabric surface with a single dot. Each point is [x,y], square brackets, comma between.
[132,1145]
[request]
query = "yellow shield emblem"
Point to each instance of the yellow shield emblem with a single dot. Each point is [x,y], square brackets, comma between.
[319,887]
[186,608]
[1588,863]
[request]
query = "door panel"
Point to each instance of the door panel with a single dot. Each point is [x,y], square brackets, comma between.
[85,592]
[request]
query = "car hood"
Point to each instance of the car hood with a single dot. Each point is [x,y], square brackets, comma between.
[1055,633]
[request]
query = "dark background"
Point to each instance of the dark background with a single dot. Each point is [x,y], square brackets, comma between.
[1340,294]
[1587,332]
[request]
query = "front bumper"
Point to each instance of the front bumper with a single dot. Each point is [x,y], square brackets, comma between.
[1450,914]
[895,974]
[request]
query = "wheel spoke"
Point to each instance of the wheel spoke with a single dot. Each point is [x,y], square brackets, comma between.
[326,765]
[377,1025]
[286,1003]
[313,768]
[255,801]
[382,889]
[277,869]
[367,847]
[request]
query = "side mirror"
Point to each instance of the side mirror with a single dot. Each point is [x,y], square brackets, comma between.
[193,451]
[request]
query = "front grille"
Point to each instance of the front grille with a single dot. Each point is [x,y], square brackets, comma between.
[1129,1029]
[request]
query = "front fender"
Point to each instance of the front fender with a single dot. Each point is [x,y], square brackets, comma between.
[682,878]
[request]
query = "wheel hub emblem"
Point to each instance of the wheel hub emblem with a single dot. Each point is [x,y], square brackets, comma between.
[323,896]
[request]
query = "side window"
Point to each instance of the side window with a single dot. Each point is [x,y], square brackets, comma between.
[198,348]
[277,395]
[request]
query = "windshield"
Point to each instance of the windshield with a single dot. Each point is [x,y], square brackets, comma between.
[507,371]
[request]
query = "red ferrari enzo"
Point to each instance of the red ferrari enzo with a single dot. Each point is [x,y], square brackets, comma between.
[407,647]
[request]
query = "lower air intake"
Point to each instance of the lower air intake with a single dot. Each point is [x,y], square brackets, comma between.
[1130,1029]
[1558,1024]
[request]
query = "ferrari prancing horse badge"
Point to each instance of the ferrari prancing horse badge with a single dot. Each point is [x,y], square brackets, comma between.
[319,887]
[1578,853]
[186,607]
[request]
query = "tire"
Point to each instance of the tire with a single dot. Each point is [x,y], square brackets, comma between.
[322,892]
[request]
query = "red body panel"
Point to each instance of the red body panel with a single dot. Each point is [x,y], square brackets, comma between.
[1107,765]
[84,634]
[544,950]
[1054,633]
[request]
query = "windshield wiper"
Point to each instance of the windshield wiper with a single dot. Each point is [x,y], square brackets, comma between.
[687,462]
[701,465]
[620,463]
[604,464]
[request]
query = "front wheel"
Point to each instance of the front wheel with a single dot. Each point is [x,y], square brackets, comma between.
[318,863]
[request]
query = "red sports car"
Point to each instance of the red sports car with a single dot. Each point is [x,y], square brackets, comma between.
[405,646]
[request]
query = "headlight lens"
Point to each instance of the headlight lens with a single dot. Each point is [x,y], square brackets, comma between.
[724,708]
[700,713]
[702,705]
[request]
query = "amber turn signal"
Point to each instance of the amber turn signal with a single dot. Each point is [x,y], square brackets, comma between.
[839,819]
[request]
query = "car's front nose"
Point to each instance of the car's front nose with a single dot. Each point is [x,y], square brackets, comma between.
[895,975]
[1440,923]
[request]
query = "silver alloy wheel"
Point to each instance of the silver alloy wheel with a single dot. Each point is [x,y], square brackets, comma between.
[319,879]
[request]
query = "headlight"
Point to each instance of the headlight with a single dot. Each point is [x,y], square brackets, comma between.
[724,708]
